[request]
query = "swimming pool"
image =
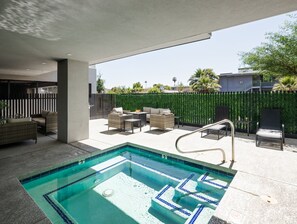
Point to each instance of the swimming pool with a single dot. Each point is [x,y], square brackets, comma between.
[129,184]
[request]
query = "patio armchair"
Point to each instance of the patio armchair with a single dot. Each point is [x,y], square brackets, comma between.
[270,127]
[221,113]
[47,121]
[162,121]
[116,118]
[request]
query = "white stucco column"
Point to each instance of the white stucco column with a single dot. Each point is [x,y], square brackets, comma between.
[72,103]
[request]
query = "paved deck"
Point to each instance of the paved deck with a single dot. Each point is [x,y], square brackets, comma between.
[263,171]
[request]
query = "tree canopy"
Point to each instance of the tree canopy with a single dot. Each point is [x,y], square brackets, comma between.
[137,87]
[278,56]
[204,80]
[100,84]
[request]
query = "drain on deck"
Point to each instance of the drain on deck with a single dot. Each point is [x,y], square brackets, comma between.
[107,193]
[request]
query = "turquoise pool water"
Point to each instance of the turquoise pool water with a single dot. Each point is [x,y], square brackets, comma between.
[129,185]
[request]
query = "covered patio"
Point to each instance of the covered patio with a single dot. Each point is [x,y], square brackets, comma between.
[43,38]
[264,173]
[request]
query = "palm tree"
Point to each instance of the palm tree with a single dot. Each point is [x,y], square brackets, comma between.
[286,83]
[201,72]
[206,85]
[204,80]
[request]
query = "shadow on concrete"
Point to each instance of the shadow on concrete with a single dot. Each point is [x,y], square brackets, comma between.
[111,132]
[157,132]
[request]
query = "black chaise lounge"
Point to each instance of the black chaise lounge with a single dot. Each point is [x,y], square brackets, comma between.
[221,113]
[270,127]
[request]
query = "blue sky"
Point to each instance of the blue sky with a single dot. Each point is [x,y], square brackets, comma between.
[220,53]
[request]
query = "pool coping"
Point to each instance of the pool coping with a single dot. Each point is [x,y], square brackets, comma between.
[77,160]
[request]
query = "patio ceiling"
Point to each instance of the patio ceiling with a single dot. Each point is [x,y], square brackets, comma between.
[34,34]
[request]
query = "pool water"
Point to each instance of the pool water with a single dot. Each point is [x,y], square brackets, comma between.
[129,185]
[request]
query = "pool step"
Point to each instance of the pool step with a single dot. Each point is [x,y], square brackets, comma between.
[163,203]
[201,214]
[186,192]
[193,200]
[212,183]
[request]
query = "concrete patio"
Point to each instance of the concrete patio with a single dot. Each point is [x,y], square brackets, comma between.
[262,172]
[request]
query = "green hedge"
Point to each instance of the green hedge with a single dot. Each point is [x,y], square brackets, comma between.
[196,109]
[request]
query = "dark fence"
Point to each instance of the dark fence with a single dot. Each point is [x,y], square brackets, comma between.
[101,105]
[29,104]
[196,109]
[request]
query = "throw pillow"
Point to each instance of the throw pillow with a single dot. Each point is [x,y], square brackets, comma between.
[162,110]
[155,111]
[118,110]
[166,112]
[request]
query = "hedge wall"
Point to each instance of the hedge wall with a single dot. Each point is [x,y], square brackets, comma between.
[196,109]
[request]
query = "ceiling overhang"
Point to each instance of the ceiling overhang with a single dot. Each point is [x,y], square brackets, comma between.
[34,35]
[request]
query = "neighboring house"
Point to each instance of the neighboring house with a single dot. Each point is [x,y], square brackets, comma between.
[246,80]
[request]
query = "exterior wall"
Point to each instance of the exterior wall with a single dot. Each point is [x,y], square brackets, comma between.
[236,83]
[92,80]
[72,104]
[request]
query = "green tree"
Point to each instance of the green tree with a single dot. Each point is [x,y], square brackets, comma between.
[180,87]
[100,84]
[203,72]
[154,89]
[286,83]
[204,80]
[137,87]
[206,85]
[278,56]
[119,90]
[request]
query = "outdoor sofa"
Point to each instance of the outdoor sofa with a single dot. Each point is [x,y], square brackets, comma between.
[157,111]
[17,130]
[47,121]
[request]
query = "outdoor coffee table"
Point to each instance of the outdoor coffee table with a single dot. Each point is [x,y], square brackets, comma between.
[139,115]
[132,121]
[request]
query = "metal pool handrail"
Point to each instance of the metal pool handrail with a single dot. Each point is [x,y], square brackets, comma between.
[216,149]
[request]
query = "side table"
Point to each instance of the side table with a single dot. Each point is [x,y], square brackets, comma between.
[132,121]
[245,123]
[177,120]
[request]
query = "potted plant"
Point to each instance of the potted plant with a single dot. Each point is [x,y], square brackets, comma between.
[2,106]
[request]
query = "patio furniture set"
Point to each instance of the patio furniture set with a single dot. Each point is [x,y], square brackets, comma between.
[157,117]
[18,128]
[269,128]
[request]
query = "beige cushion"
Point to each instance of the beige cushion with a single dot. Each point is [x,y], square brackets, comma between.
[155,111]
[18,120]
[147,109]
[165,111]
[268,133]
[118,110]
[44,113]
[39,120]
